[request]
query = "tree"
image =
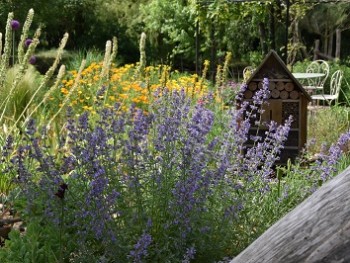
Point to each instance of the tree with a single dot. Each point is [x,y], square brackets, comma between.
[170,26]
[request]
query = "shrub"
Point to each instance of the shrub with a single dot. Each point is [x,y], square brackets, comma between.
[157,186]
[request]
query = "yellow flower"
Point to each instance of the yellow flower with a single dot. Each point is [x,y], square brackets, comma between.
[64,91]
[123,95]
[89,108]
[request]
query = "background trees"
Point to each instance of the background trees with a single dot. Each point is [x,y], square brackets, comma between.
[185,32]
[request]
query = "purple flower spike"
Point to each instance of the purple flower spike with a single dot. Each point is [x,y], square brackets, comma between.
[15,24]
[32,60]
[27,42]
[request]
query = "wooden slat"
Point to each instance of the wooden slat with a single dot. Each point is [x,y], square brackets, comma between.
[317,230]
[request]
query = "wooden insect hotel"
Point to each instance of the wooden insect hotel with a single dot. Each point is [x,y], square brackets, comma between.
[287,97]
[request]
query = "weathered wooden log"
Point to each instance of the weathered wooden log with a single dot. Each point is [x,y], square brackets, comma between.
[284,94]
[248,94]
[275,93]
[280,85]
[294,95]
[317,230]
[289,86]
[272,85]
[252,86]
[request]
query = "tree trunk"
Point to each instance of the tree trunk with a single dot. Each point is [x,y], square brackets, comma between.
[317,230]
[262,32]
[272,27]
[337,43]
[330,43]
[316,49]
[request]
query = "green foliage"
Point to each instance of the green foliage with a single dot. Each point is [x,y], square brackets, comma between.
[37,245]
[90,55]
[331,123]
[169,25]
[23,92]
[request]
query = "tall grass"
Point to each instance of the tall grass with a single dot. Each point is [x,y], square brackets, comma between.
[325,126]
[21,95]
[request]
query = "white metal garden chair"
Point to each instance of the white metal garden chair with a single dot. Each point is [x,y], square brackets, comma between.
[335,85]
[317,84]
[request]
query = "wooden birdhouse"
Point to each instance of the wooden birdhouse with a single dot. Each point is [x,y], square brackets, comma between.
[287,97]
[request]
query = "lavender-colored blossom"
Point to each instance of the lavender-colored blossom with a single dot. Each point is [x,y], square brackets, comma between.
[263,155]
[31,127]
[140,249]
[326,164]
[7,148]
[32,60]
[15,24]
[190,254]
[27,42]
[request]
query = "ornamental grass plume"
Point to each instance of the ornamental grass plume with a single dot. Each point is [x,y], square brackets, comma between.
[24,58]
[24,36]
[106,60]
[0,45]
[24,64]
[47,95]
[11,87]
[5,57]
[204,73]
[114,53]
[67,98]
[50,71]
[225,69]
[143,61]
[218,77]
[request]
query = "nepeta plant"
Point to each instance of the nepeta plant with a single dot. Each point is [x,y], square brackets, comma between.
[326,164]
[159,186]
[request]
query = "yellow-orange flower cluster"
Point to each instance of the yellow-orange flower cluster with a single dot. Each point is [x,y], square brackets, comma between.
[126,86]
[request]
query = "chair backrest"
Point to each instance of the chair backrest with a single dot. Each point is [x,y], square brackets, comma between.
[335,85]
[318,66]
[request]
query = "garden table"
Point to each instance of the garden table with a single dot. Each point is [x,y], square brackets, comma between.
[306,76]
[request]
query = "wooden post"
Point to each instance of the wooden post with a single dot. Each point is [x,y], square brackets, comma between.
[337,43]
[317,230]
